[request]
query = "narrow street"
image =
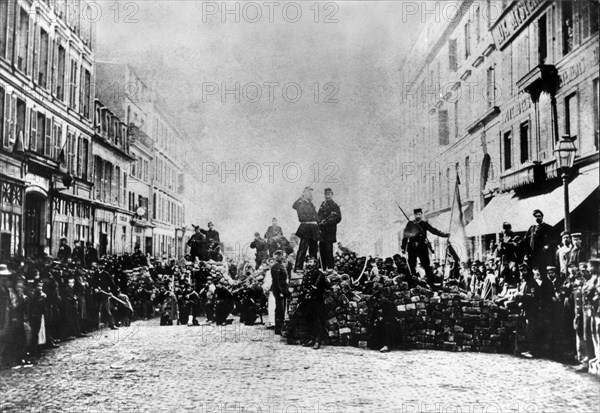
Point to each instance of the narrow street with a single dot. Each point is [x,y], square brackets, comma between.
[148,368]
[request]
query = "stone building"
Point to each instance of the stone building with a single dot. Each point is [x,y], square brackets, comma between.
[493,88]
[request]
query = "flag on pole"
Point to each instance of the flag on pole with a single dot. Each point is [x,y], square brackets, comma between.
[458,236]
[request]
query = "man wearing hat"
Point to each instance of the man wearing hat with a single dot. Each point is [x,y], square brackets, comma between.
[308,231]
[329,217]
[577,253]
[537,243]
[213,242]
[273,234]
[64,251]
[563,253]
[279,288]
[415,242]
[261,247]
[197,244]
[507,253]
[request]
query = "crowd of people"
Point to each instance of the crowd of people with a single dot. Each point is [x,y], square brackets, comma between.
[47,301]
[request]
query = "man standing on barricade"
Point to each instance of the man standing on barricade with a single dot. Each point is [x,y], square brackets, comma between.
[308,231]
[537,243]
[329,216]
[260,245]
[197,244]
[273,234]
[415,242]
[213,243]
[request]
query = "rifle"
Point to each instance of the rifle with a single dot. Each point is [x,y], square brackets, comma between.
[420,229]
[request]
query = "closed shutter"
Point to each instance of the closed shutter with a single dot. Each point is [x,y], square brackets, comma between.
[10,44]
[36,55]
[30,49]
[48,138]
[54,70]
[6,137]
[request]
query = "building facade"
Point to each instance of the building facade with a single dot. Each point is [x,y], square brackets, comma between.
[496,87]
[46,118]
[112,162]
[155,181]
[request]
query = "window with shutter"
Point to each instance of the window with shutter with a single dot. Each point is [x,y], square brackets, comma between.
[22,39]
[85,155]
[2,97]
[6,119]
[10,29]
[60,73]
[3,28]
[40,135]
[30,47]
[48,138]
[79,156]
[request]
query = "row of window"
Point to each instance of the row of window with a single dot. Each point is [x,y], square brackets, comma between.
[165,210]
[135,202]
[111,127]
[35,131]
[44,58]
[139,168]
[165,174]
[109,182]
[570,124]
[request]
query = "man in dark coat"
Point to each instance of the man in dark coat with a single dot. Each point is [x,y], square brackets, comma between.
[507,253]
[329,216]
[537,243]
[91,254]
[279,288]
[273,234]
[213,243]
[314,285]
[104,287]
[262,252]
[415,242]
[77,255]
[64,251]
[308,231]
[197,244]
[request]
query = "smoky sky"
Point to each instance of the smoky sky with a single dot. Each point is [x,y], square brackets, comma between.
[318,103]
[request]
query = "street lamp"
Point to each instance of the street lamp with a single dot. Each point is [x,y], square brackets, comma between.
[565,156]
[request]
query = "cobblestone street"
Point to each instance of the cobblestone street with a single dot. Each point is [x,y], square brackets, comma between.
[237,368]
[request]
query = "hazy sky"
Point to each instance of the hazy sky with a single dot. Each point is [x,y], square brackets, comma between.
[348,130]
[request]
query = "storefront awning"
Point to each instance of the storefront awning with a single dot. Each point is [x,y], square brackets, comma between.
[509,207]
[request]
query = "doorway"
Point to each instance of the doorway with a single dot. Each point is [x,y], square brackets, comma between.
[35,213]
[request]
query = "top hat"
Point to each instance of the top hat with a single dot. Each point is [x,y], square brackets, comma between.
[418,211]
[507,225]
[4,270]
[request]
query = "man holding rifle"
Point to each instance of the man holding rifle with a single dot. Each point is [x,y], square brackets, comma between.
[415,242]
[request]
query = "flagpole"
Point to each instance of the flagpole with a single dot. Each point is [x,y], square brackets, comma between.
[450,224]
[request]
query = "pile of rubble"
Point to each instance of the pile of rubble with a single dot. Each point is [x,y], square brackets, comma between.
[446,320]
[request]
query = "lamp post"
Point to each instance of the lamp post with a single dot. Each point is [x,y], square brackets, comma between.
[565,156]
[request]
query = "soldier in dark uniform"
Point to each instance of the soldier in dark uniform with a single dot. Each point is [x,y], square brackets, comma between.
[91,254]
[77,255]
[64,251]
[314,284]
[329,216]
[261,247]
[197,244]
[279,288]
[273,234]
[537,243]
[415,242]
[213,243]
[308,231]
[507,253]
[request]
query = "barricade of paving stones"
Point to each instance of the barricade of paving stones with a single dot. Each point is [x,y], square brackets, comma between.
[446,320]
